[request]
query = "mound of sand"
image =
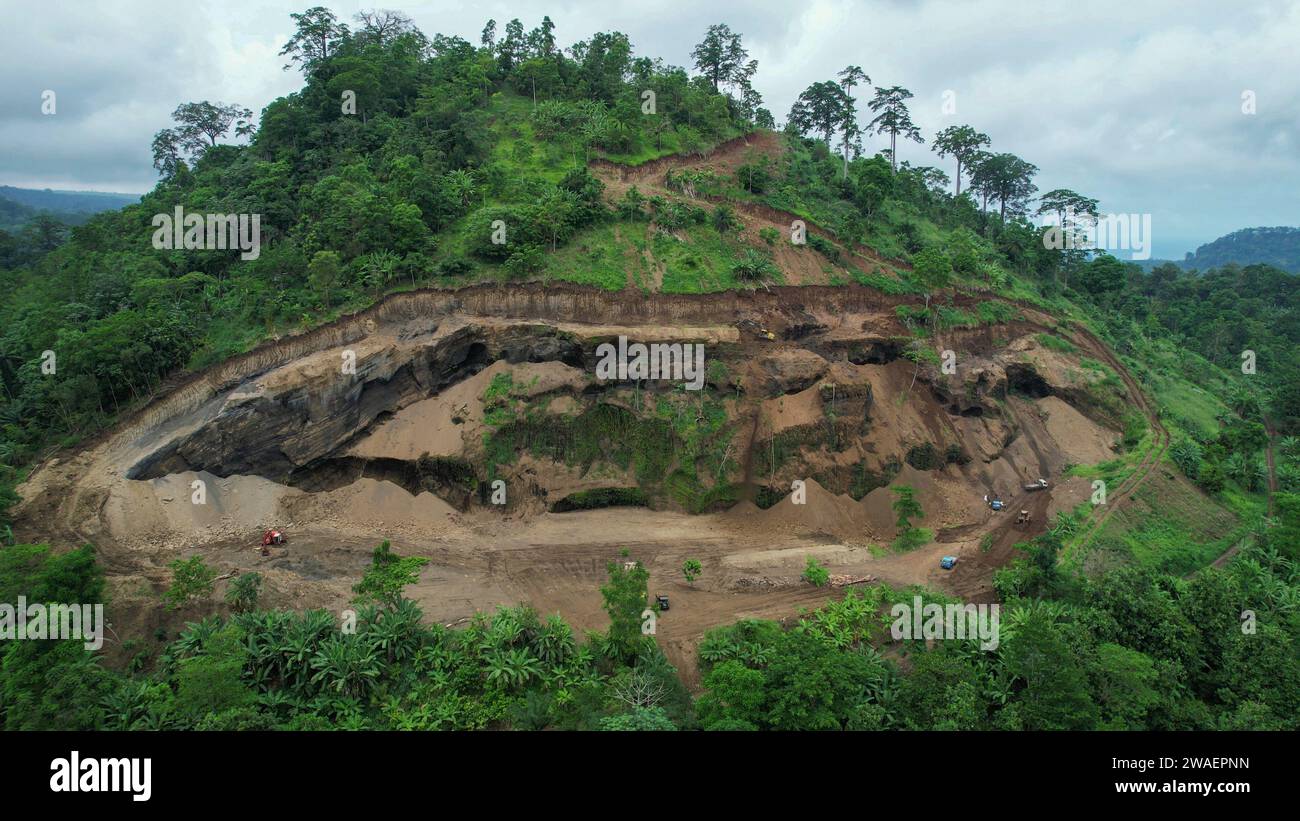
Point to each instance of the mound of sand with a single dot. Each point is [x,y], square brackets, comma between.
[1080,440]
[822,512]
[794,410]
[373,504]
[168,507]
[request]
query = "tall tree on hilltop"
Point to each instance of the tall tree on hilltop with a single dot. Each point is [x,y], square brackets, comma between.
[1009,180]
[541,40]
[963,143]
[383,26]
[722,58]
[1074,214]
[977,159]
[1063,203]
[511,49]
[819,108]
[199,126]
[892,116]
[315,40]
[851,76]
[751,102]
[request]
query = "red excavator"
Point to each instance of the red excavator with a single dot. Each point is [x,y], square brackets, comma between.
[269,538]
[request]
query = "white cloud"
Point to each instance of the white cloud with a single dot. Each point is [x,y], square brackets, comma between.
[1135,103]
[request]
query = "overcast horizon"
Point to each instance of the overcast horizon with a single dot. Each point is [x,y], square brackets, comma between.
[1138,107]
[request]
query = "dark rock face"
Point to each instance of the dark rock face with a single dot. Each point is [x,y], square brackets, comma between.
[271,431]
[1025,379]
[972,394]
[875,352]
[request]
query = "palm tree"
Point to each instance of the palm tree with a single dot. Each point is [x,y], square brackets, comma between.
[460,184]
[1242,399]
[396,635]
[127,705]
[718,649]
[1046,612]
[1289,446]
[555,642]
[196,635]
[276,702]
[345,665]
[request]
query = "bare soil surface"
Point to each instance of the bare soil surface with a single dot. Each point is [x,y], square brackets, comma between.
[800,265]
[425,362]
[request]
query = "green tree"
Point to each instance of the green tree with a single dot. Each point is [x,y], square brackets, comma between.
[932,270]
[625,599]
[323,275]
[198,127]
[850,77]
[691,569]
[820,107]
[962,142]
[316,38]
[191,579]
[1064,204]
[387,576]
[644,719]
[1052,684]
[906,506]
[893,118]
[720,57]
[1126,682]
[212,682]
[815,574]
[733,698]
[243,592]
[1285,533]
[1007,179]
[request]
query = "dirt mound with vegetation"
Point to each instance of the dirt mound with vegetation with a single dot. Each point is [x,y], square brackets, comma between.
[485,441]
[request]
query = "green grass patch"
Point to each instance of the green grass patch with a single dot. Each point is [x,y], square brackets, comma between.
[1056,343]
[911,539]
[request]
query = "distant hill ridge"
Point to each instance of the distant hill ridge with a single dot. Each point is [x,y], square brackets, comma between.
[1279,246]
[75,202]
[19,205]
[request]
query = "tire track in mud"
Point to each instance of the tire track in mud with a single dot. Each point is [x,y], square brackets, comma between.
[1270,461]
[722,157]
[1122,495]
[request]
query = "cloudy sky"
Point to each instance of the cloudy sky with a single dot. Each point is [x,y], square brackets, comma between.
[1138,104]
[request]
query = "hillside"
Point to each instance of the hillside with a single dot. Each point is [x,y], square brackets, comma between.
[18,206]
[1278,247]
[410,358]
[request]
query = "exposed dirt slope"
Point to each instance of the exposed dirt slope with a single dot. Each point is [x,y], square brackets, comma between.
[286,437]
[801,265]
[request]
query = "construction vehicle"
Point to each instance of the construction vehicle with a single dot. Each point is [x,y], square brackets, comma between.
[1041,484]
[661,602]
[1023,518]
[947,562]
[996,504]
[273,537]
[757,330]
